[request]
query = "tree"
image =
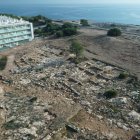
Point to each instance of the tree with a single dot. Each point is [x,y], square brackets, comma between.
[76,48]
[114,32]
[67,25]
[113,25]
[69,29]
[84,22]
[51,28]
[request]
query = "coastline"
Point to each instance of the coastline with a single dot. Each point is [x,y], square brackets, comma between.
[126,28]
[124,14]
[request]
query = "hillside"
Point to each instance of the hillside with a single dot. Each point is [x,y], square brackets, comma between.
[45,96]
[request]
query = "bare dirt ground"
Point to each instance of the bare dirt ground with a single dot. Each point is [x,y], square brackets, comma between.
[84,120]
[118,51]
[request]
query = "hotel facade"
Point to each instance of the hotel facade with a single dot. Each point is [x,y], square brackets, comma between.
[14,32]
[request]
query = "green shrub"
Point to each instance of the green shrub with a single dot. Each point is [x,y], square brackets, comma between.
[3,61]
[76,48]
[33,99]
[138,108]
[113,25]
[13,125]
[110,94]
[84,22]
[51,28]
[69,31]
[67,25]
[10,15]
[38,32]
[123,75]
[59,34]
[114,32]
[37,20]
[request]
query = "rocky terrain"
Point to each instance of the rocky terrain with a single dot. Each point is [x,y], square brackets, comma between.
[45,96]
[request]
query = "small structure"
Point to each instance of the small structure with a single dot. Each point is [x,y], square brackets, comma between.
[14,32]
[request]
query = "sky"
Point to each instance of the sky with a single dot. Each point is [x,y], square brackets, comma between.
[69,1]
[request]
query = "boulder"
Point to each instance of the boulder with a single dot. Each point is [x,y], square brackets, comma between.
[108,69]
[27,131]
[119,100]
[134,94]
[72,128]
[24,81]
[134,115]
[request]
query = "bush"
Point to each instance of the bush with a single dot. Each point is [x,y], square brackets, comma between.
[3,61]
[10,15]
[37,20]
[76,48]
[84,22]
[38,32]
[69,31]
[13,125]
[114,32]
[59,34]
[51,28]
[138,108]
[123,75]
[113,25]
[67,25]
[110,94]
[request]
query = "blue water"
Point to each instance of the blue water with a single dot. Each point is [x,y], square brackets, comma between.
[128,14]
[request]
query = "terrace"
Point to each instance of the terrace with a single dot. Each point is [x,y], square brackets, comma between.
[5,21]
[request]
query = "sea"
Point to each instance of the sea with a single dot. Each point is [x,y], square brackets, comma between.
[114,13]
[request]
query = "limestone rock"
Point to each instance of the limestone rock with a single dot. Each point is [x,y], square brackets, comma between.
[119,100]
[134,115]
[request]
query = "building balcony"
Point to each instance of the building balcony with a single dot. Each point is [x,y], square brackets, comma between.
[15,34]
[11,40]
[8,30]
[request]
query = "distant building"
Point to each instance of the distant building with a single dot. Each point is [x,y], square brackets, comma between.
[14,32]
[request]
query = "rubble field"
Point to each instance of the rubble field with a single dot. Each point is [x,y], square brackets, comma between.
[45,96]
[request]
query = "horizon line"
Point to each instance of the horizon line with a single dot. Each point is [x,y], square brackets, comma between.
[68,3]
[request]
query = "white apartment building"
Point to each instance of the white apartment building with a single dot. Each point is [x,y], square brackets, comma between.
[14,32]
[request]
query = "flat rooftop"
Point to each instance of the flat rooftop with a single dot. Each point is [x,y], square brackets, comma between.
[5,21]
